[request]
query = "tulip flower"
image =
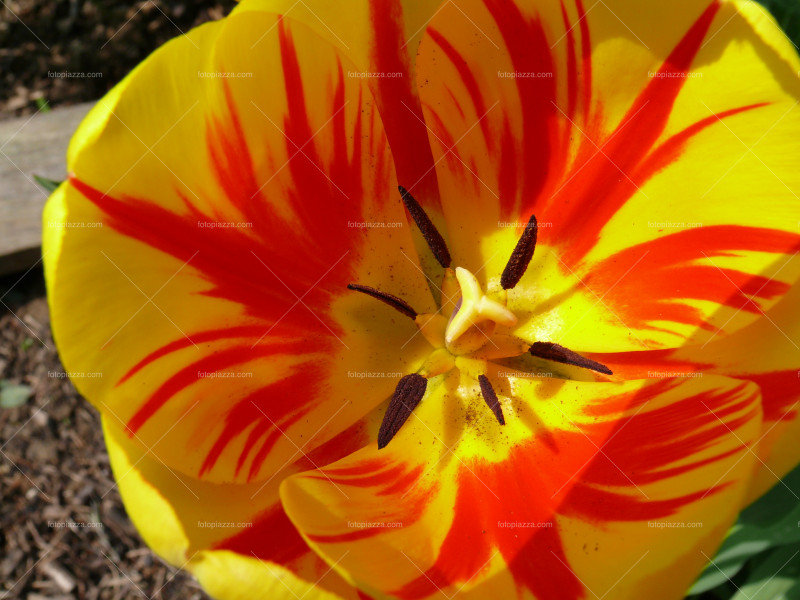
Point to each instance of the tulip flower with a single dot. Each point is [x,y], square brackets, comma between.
[395,299]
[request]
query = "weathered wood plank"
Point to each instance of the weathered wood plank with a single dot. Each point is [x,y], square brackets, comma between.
[30,146]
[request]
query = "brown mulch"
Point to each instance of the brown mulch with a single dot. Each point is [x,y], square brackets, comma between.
[64,534]
[45,45]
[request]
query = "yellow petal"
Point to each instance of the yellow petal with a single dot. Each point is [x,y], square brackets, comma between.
[653,146]
[381,38]
[569,498]
[765,353]
[204,280]
[229,576]
[234,538]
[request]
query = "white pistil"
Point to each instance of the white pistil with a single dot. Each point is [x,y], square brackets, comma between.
[475,308]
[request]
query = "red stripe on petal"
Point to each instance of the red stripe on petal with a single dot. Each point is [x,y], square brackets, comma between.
[644,447]
[260,429]
[671,150]
[189,375]
[660,94]
[586,60]
[579,74]
[399,106]
[202,337]
[526,42]
[341,445]
[780,394]
[390,479]
[272,537]
[647,364]
[599,506]
[270,411]
[334,185]
[374,473]
[543,553]
[570,476]
[469,81]
[489,497]
[362,468]
[667,273]
[276,430]
[508,175]
[572,70]
[342,538]
[231,272]
[404,481]
[231,161]
[613,169]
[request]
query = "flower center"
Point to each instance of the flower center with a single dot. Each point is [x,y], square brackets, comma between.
[480,327]
[475,317]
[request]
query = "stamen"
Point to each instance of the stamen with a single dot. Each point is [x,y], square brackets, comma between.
[407,395]
[550,351]
[521,256]
[393,301]
[491,398]
[427,228]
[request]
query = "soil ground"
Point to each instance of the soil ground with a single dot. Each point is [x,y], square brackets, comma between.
[67,51]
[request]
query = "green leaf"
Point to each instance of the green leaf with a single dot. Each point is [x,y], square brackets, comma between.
[48,184]
[12,395]
[774,576]
[770,522]
[728,562]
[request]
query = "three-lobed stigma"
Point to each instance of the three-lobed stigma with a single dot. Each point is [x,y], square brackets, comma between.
[480,320]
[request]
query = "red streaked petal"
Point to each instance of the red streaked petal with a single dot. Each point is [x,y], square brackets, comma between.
[459,503]
[213,299]
[195,524]
[765,353]
[628,135]
[381,39]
